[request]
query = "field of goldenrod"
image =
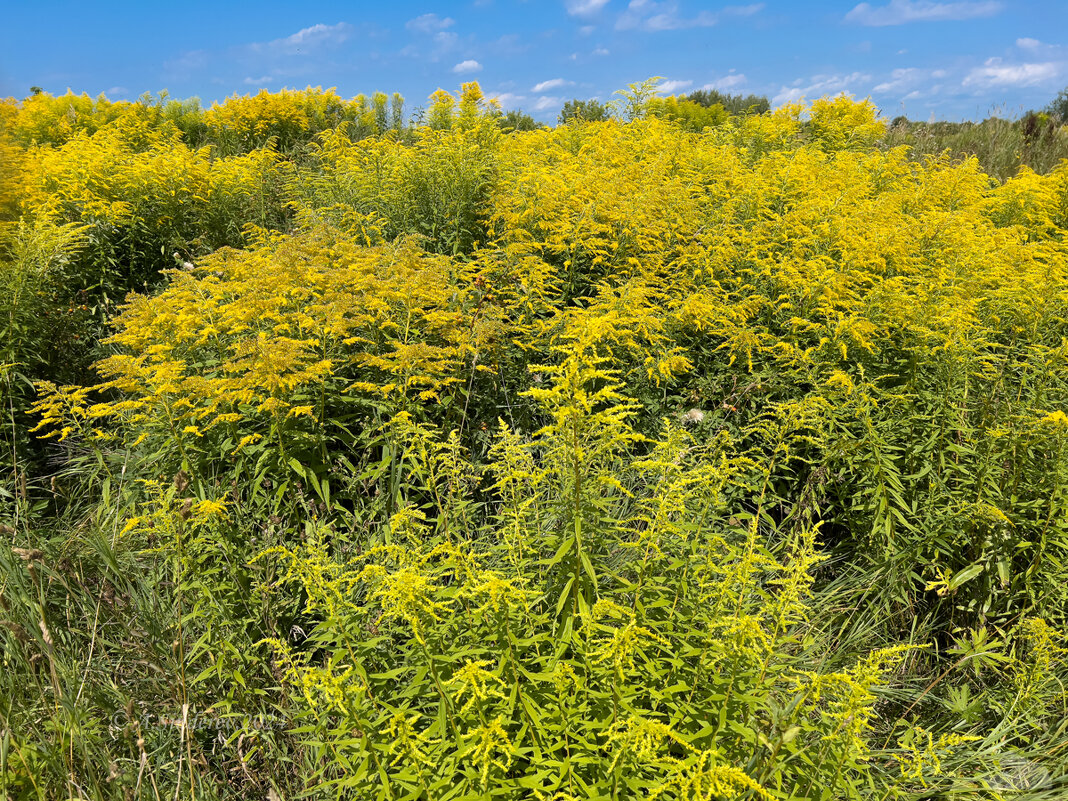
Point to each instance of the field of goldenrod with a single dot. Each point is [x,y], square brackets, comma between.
[616,460]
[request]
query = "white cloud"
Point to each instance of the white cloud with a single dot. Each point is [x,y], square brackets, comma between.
[911,83]
[900,80]
[601,51]
[547,102]
[319,33]
[670,87]
[258,81]
[554,83]
[187,63]
[117,91]
[586,30]
[995,73]
[649,15]
[818,86]
[508,44]
[1028,44]
[583,8]
[742,11]
[898,12]
[508,100]
[730,81]
[469,65]
[316,36]
[441,44]
[429,23]
[445,40]
[301,47]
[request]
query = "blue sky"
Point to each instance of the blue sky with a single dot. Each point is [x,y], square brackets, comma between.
[959,59]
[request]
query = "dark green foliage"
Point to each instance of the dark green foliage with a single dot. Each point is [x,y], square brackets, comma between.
[1058,107]
[584,111]
[517,121]
[734,104]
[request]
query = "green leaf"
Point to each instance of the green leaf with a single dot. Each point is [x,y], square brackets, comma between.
[965,575]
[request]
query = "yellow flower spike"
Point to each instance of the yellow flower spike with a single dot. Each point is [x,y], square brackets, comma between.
[485,742]
[478,684]
[1057,419]
[407,743]
[208,510]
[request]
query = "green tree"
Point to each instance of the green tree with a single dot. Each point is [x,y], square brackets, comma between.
[517,121]
[734,104]
[584,111]
[1058,107]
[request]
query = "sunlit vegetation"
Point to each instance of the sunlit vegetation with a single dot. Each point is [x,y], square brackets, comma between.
[685,450]
[1038,141]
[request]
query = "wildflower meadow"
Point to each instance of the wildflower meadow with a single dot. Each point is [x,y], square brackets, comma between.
[678,451]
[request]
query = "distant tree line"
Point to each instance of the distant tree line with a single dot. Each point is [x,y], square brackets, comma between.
[697,110]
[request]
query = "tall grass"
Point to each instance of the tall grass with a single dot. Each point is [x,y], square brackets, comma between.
[1002,146]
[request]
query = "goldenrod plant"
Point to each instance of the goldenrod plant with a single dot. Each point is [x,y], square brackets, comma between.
[677,453]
